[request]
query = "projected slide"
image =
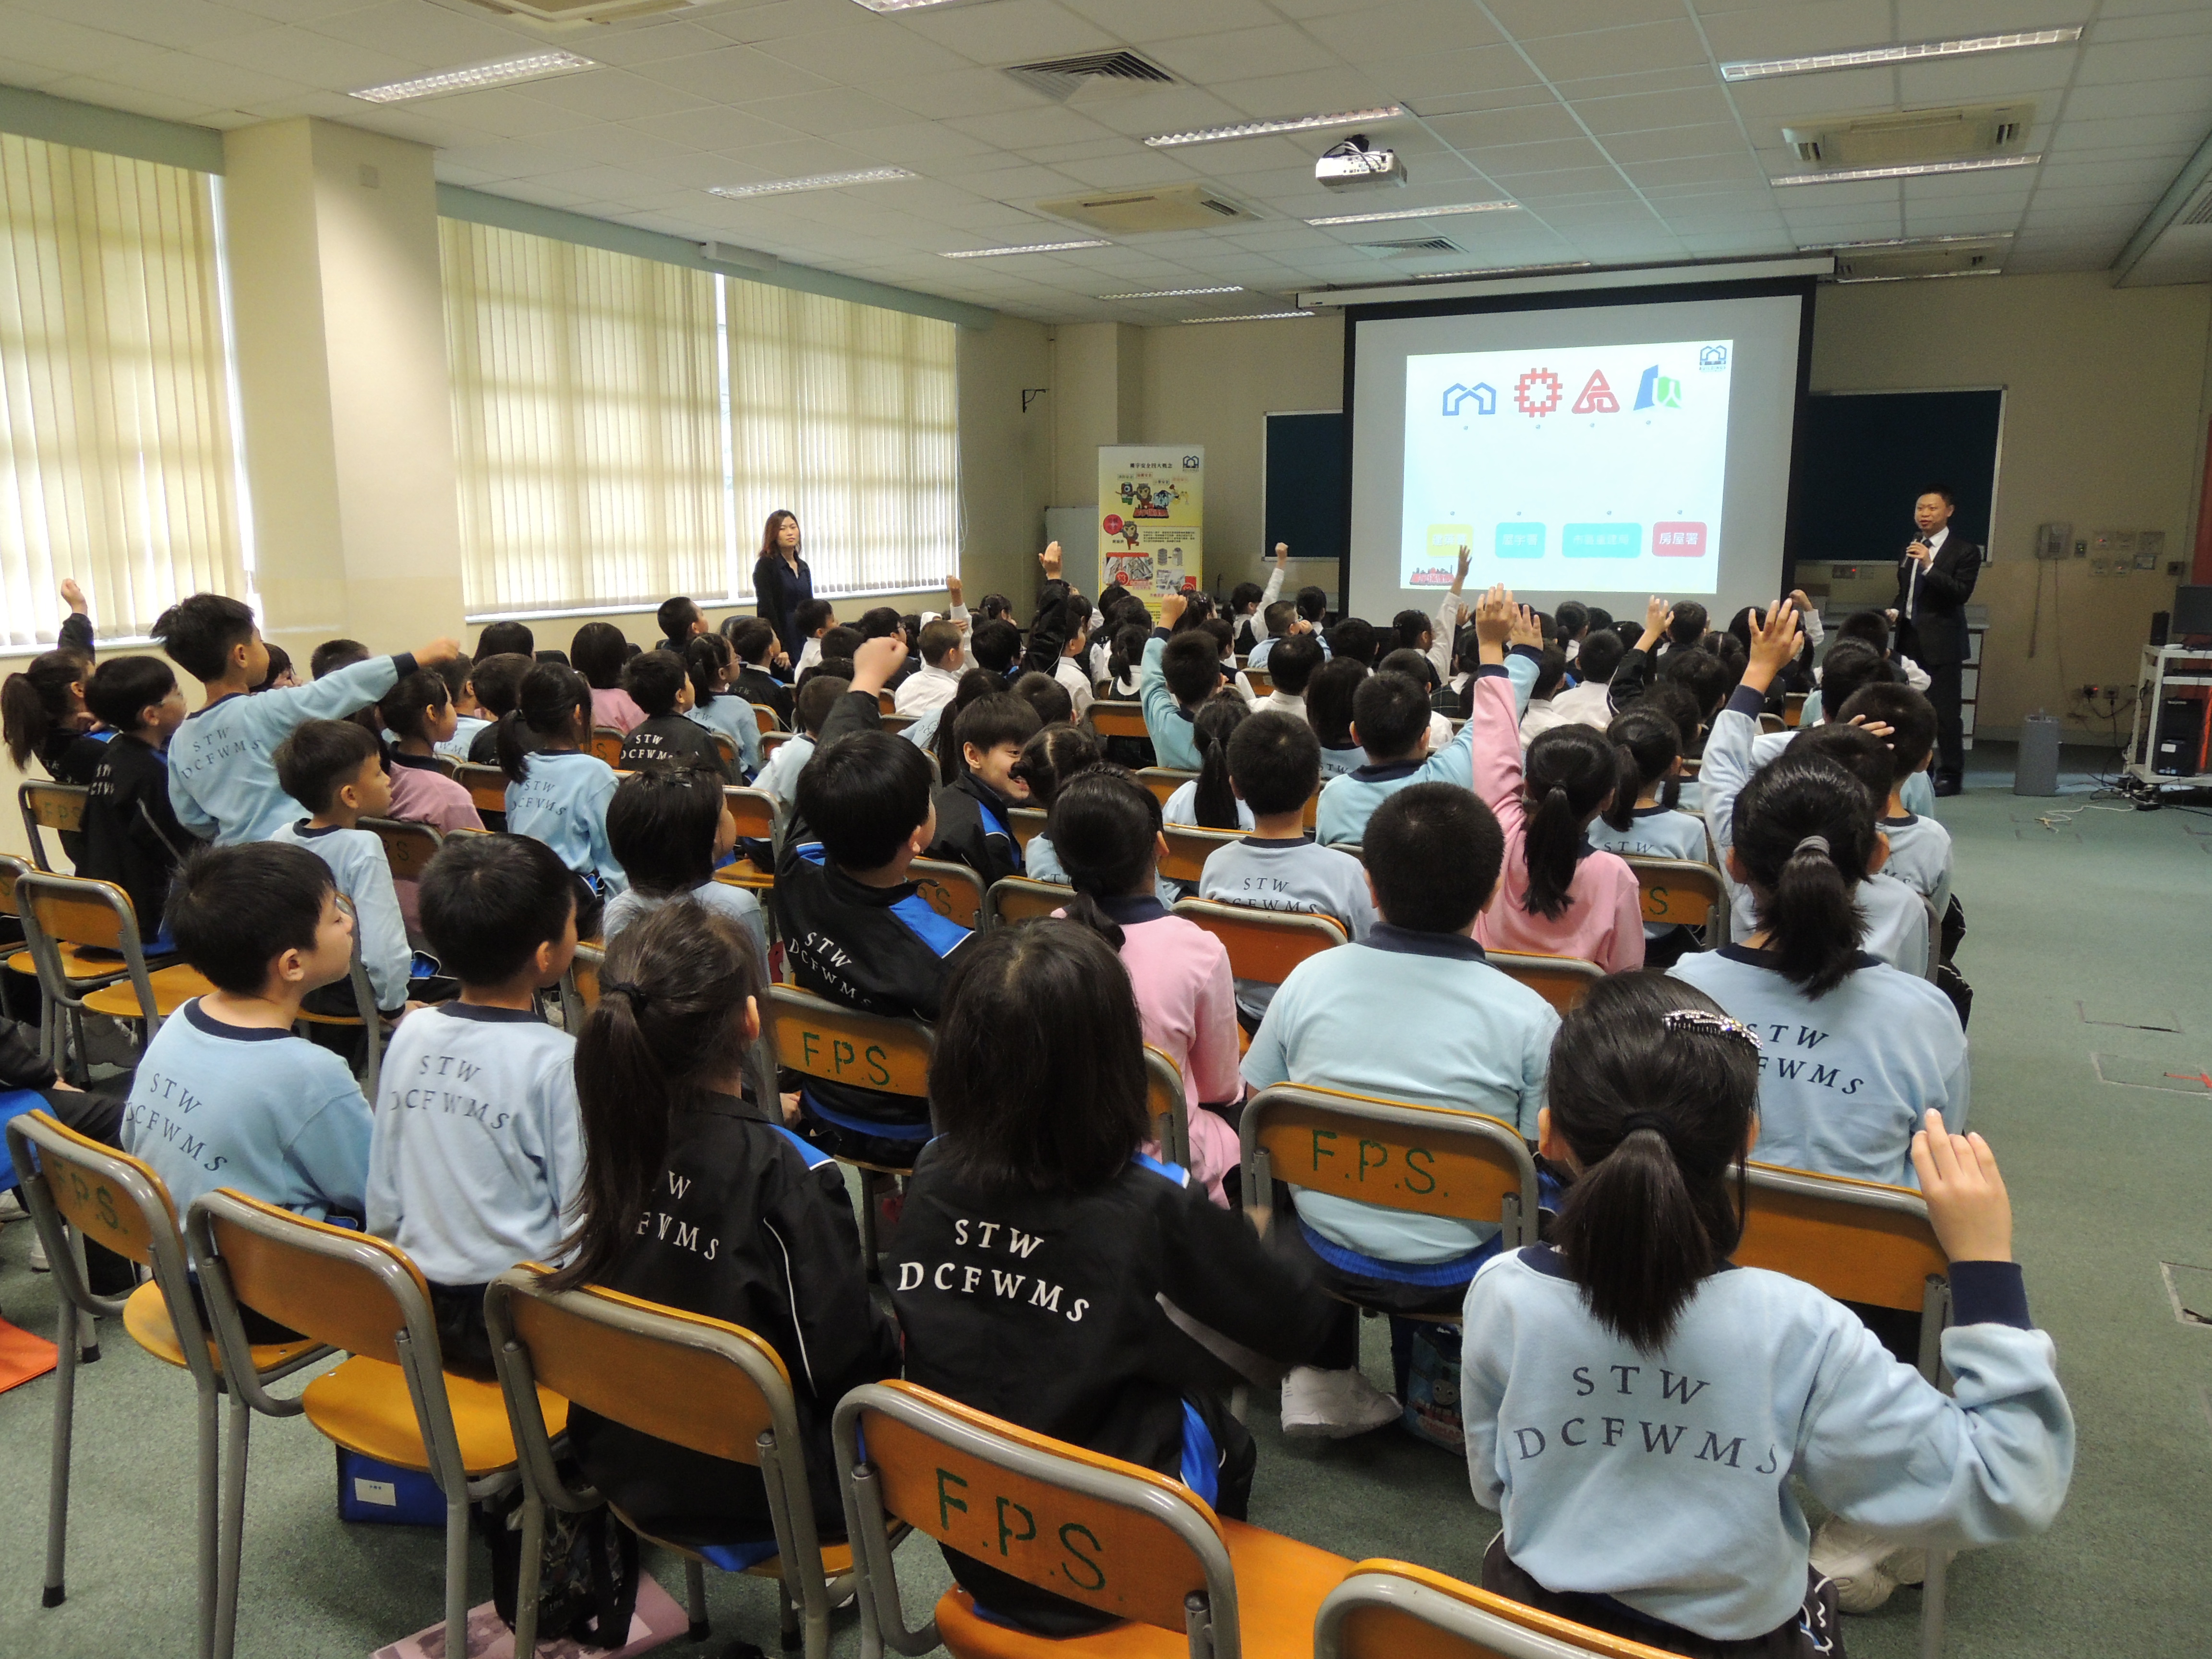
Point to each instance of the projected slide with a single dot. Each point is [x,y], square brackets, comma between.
[1575,468]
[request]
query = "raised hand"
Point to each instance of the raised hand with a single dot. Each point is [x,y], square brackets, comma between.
[1773,644]
[1172,605]
[953,588]
[1050,560]
[438,650]
[73,596]
[1658,617]
[1282,555]
[1494,616]
[1967,1204]
[876,661]
[1465,558]
[1527,630]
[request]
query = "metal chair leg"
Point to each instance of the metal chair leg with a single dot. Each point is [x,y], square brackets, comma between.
[57,1482]
[231,1537]
[88,1328]
[456,1573]
[694,1599]
[786,1619]
[526,1586]
[207,1516]
[1932,1598]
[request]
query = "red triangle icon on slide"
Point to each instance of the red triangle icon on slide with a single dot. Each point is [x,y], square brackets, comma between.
[1597,397]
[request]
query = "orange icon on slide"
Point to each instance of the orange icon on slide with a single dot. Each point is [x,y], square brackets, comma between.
[1597,397]
[1537,392]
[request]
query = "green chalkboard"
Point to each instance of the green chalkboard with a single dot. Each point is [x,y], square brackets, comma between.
[1309,460]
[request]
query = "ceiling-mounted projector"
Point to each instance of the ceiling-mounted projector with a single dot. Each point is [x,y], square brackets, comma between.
[1353,165]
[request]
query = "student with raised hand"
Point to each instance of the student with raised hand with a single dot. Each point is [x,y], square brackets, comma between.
[1037,1191]
[696,1196]
[1640,1411]
[1248,601]
[131,836]
[666,736]
[972,805]
[476,1154]
[1210,801]
[671,829]
[334,769]
[710,663]
[223,783]
[43,710]
[1642,819]
[1179,673]
[557,791]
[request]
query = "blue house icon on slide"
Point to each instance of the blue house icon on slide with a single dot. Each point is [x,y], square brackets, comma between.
[1485,396]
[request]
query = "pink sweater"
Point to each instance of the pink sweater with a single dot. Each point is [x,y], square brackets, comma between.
[1188,1004]
[1603,921]
[422,794]
[615,709]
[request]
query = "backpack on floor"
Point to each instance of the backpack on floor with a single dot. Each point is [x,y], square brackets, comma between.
[587,1575]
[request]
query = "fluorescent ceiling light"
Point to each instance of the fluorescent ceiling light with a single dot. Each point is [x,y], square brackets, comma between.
[1347,117]
[1412,213]
[899,5]
[1913,170]
[1250,316]
[1173,293]
[1906,241]
[474,77]
[1032,247]
[1502,270]
[816,181]
[1869,56]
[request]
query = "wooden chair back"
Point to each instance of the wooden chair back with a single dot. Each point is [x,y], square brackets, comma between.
[772,741]
[1678,892]
[953,890]
[767,719]
[1793,708]
[1171,1105]
[758,814]
[1858,1240]
[1395,1610]
[1312,818]
[486,786]
[820,1039]
[1027,822]
[1263,945]
[110,1197]
[886,703]
[1262,682]
[72,910]
[891,722]
[56,807]
[407,848]
[1016,898]
[1563,981]
[344,1288]
[725,748]
[1189,846]
[1110,719]
[1163,780]
[606,744]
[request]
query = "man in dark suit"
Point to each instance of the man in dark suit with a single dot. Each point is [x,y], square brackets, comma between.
[1935,580]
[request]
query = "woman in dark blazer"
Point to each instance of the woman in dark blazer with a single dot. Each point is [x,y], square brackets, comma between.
[781,577]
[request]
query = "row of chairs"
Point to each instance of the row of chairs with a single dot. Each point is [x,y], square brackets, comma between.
[1161,1558]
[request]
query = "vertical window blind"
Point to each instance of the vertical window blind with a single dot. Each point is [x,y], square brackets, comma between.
[602,466]
[118,457]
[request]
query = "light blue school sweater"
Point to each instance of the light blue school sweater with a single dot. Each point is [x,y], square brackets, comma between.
[736,903]
[478,1148]
[465,728]
[363,875]
[1182,807]
[1348,801]
[222,782]
[1653,832]
[1418,1017]
[1664,1479]
[562,801]
[1175,740]
[1041,863]
[1300,876]
[1844,1079]
[1920,857]
[779,777]
[271,1113]
[1264,647]
[734,717]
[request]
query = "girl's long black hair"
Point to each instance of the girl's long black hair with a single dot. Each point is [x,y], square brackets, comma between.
[549,701]
[35,703]
[1804,831]
[1648,744]
[1105,826]
[1218,717]
[1570,773]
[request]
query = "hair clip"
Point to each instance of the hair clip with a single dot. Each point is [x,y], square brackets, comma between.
[1697,1020]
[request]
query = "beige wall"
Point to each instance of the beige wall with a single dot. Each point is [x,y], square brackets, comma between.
[1005,456]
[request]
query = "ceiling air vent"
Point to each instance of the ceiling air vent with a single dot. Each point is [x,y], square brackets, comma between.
[1407,247]
[1946,256]
[2198,212]
[581,11]
[1927,135]
[1131,212]
[1064,78]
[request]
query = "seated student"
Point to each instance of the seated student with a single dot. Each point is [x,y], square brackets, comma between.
[1330,696]
[225,1096]
[1048,760]
[943,658]
[1573,624]
[666,735]
[1125,657]
[779,777]
[279,676]
[333,768]
[1313,608]
[476,1154]
[700,1198]
[710,663]
[1352,638]
[1414,1014]
[1897,918]
[811,619]
[1047,696]
[680,623]
[1070,666]
[43,712]
[1542,715]
[1851,663]
[599,653]
[1248,601]
[971,807]
[418,713]
[1590,701]
[498,680]
[1180,672]
[1039,1173]
[1685,629]
[1274,765]
[131,836]
[1872,628]
[469,716]
[854,928]
[1919,847]
[503,639]
[556,792]
[1415,666]
[996,648]
[1861,1049]
[1633,1322]
[838,644]
[1643,817]
[1231,675]
[1279,621]
[1559,896]
[1210,801]
[1291,665]
[331,655]
[754,640]
[1105,828]
[933,730]
[221,782]
[671,829]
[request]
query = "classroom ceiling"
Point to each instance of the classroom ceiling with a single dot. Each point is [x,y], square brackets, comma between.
[1606,121]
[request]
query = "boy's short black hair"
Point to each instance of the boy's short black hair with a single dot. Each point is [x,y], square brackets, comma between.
[458,672]
[660,827]
[489,901]
[1412,663]
[1679,705]
[1054,702]
[233,910]
[333,654]
[498,680]
[1274,759]
[1601,619]
[653,678]
[938,641]
[1001,717]
[401,711]
[1909,715]
[865,795]
[1293,662]
[1871,626]
[1601,654]
[1312,603]
[1572,617]
[199,633]
[597,652]
[1855,748]
[676,616]
[810,617]
[752,638]
[118,691]
[503,639]
[842,641]
[320,758]
[1433,851]
[818,691]
[1551,672]
[1191,665]
[995,645]
[1702,674]
[1849,665]
[1353,637]
[1389,712]
[1278,617]
[280,664]
[1689,624]
[879,623]
[1243,596]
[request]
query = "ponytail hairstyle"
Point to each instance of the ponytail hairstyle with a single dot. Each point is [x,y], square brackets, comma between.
[707,658]
[974,685]
[1805,832]
[598,652]
[668,1029]
[1655,1091]
[1051,757]
[1648,744]
[39,701]
[1572,772]
[1126,653]
[1218,717]
[1105,827]
[551,701]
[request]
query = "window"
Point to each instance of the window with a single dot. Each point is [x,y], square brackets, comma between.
[118,464]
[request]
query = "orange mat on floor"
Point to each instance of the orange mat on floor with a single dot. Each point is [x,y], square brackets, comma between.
[23,1356]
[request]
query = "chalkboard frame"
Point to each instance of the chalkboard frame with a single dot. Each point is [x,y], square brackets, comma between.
[1977,519]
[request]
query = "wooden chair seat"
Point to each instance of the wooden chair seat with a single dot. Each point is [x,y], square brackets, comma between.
[1280,1585]
[80,971]
[745,874]
[173,988]
[364,1406]
[146,1317]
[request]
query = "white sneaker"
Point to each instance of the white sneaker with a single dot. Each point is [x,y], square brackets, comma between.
[1336,1405]
[1865,1567]
[37,1260]
[11,1207]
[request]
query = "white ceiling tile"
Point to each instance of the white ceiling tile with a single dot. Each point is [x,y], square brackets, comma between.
[1797,97]
[1999,75]
[1407,28]
[2134,61]
[1243,54]
[2196,20]
[1524,124]
[958,92]
[1672,143]
[176,23]
[1528,18]
[2184,95]
[2180,128]
[778,20]
[1518,160]
[1170,109]
[1650,111]
[294,11]
[713,128]
[609,95]
[1010,31]
[1126,171]
[1638,49]
[1142,21]
[214,86]
[866,49]
[616,145]
[33,40]
[1787,31]
[653,41]
[301,55]
[1052,124]
[505,112]
[1538,187]
[1266,96]
[1944,20]
[915,143]
[732,75]
[1695,169]
[405,29]
[829,114]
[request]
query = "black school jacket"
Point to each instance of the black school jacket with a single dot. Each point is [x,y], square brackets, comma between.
[973,828]
[758,685]
[1044,1308]
[747,1223]
[881,950]
[132,836]
[669,742]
